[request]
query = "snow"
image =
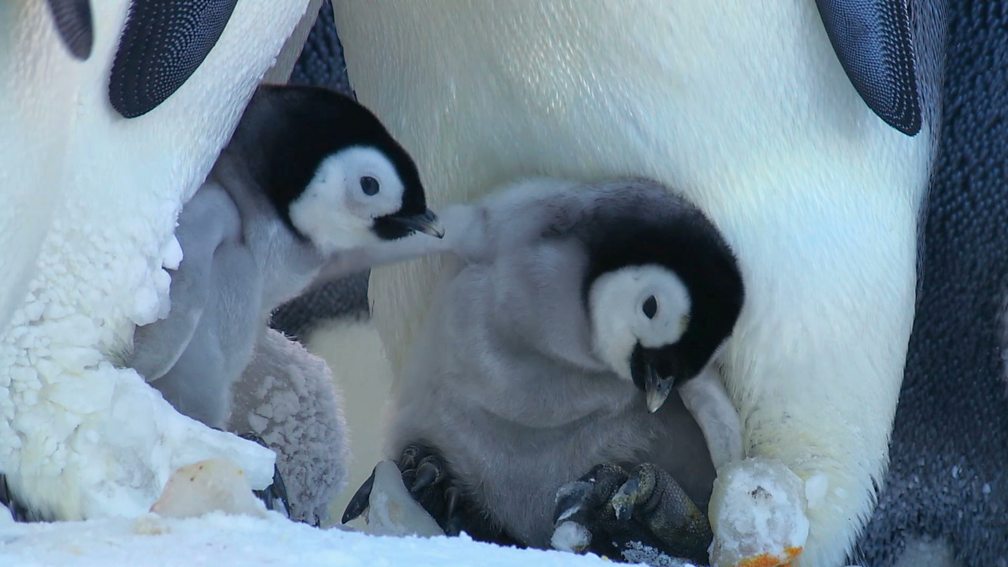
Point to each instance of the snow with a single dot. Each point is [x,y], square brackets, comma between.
[218,539]
[213,484]
[762,518]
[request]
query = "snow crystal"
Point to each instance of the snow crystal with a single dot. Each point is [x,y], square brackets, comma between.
[637,552]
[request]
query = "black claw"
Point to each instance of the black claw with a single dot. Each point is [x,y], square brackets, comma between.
[410,456]
[427,474]
[429,480]
[571,499]
[625,500]
[273,496]
[8,500]
[360,500]
[646,507]
[452,500]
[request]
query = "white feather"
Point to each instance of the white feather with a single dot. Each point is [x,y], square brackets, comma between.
[334,212]
[618,324]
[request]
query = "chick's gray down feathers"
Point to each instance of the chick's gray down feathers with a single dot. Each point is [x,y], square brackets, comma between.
[503,380]
[239,262]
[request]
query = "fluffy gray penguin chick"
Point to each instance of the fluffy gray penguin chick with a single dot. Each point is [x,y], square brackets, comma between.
[549,356]
[309,176]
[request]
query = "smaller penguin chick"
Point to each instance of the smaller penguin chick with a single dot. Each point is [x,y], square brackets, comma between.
[576,309]
[308,176]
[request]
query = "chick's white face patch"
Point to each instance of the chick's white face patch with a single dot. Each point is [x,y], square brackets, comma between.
[350,189]
[636,304]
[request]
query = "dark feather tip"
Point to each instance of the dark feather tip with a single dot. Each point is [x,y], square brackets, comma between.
[161,46]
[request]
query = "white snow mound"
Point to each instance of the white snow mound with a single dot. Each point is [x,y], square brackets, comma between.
[217,539]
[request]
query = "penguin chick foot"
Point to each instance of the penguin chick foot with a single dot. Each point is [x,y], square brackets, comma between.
[425,474]
[615,513]
[273,496]
[427,477]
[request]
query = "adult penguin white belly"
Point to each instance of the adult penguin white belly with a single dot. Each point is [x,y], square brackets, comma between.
[746,108]
[90,200]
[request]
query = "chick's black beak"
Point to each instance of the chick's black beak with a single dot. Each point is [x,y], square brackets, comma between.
[425,222]
[646,377]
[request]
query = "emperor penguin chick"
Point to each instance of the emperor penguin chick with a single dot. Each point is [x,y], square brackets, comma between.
[309,177]
[548,358]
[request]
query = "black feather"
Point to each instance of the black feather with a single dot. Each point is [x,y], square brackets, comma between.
[74,24]
[287,131]
[162,45]
[662,229]
[873,40]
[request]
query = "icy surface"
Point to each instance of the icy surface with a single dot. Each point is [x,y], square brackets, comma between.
[218,539]
[761,513]
[210,485]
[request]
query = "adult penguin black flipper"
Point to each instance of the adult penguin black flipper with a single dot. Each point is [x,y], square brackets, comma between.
[74,24]
[161,46]
[873,40]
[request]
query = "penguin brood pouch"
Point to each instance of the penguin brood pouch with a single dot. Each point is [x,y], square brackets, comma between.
[564,391]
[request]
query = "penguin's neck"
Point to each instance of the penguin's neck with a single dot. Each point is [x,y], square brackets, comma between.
[287,261]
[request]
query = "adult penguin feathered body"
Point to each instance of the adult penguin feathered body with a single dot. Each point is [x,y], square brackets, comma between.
[90,200]
[749,110]
[954,370]
[945,498]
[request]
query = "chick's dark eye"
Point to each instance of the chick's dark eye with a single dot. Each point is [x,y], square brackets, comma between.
[369,185]
[650,307]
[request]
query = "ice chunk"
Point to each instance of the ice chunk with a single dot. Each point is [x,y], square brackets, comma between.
[208,486]
[757,514]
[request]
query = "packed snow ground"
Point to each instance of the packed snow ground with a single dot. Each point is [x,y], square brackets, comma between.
[218,539]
